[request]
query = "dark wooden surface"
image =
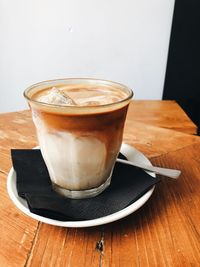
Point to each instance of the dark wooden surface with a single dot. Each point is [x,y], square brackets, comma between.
[164,232]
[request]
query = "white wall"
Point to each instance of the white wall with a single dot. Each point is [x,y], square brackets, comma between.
[121,40]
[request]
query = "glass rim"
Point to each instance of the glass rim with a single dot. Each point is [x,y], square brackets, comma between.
[94,80]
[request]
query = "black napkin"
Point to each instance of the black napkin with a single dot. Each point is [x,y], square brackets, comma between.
[33,183]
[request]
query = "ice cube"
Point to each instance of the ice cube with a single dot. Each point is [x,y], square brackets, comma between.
[57,97]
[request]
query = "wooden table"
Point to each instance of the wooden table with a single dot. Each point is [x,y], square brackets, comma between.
[164,232]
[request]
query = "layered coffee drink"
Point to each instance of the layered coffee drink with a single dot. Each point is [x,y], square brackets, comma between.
[79,125]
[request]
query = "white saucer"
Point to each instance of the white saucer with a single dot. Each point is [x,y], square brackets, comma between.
[131,153]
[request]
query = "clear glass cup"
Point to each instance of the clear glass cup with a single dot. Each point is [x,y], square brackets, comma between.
[79,144]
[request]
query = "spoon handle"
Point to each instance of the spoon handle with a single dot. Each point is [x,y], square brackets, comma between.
[172,173]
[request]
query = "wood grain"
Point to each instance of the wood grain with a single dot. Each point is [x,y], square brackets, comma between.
[154,141]
[17,231]
[59,247]
[165,114]
[164,232]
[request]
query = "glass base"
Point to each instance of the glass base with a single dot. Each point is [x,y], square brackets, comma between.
[80,194]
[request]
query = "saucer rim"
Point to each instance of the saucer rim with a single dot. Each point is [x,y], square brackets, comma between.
[21,204]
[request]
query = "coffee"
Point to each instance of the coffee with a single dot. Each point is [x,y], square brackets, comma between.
[79,127]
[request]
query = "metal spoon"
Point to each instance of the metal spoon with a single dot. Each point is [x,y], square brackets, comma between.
[172,173]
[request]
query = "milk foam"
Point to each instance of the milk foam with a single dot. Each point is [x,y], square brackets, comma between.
[82,96]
